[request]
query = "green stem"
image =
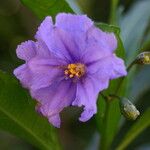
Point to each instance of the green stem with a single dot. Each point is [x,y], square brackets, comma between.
[103,144]
[131,65]
[112,16]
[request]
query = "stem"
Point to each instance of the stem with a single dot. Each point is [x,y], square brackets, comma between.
[130,66]
[112,16]
[103,144]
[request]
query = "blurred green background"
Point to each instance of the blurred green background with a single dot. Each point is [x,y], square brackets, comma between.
[18,23]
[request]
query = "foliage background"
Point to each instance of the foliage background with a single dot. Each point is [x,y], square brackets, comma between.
[18,23]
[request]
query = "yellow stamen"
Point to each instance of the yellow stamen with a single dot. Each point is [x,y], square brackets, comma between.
[75,70]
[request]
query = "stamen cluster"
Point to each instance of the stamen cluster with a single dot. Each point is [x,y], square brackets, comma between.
[75,70]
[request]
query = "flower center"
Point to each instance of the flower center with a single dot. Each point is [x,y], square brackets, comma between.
[75,70]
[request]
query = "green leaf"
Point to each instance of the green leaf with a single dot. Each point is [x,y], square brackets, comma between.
[75,6]
[43,8]
[18,116]
[133,26]
[109,122]
[135,130]
[141,79]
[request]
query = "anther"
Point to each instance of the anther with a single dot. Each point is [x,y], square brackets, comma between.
[75,70]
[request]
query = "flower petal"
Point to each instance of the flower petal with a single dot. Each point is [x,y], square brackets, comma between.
[119,69]
[50,36]
[94,53]
[71,48]
[106,39]
[39,73]
[54,98]
[73,23]
[26,50]
[76,26]
[24,75]
[58,45]
[99,44]
[30,49]
[112,67]
[43,51]
[55,120]
[44,30]
[86,95]
[45,71]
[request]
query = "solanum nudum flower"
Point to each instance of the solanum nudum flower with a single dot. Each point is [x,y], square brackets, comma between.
[69,64]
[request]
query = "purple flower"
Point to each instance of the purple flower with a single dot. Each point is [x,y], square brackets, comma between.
[69,64]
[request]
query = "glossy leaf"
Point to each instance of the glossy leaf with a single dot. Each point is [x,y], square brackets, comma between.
[43,8]
[18,116]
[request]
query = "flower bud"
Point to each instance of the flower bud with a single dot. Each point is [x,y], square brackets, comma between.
[128,110]
[143,58]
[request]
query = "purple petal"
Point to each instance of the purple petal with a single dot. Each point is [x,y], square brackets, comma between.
[86,95]
[50,36]
[58,45]
[76,26]
[26,50]
[54,98]
[29,49]
[39,73]
[119,69]
[106,39]
[24,75]
[112,67]
[44,30]
[43,51]
[99,45]
[94,53]
[55,120]
[73,23]
[68,45]
[45,71]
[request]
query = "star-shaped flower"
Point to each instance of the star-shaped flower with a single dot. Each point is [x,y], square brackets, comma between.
[69,64]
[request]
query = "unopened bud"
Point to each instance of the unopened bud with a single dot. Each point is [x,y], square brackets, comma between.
[128,109]
[143,58]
